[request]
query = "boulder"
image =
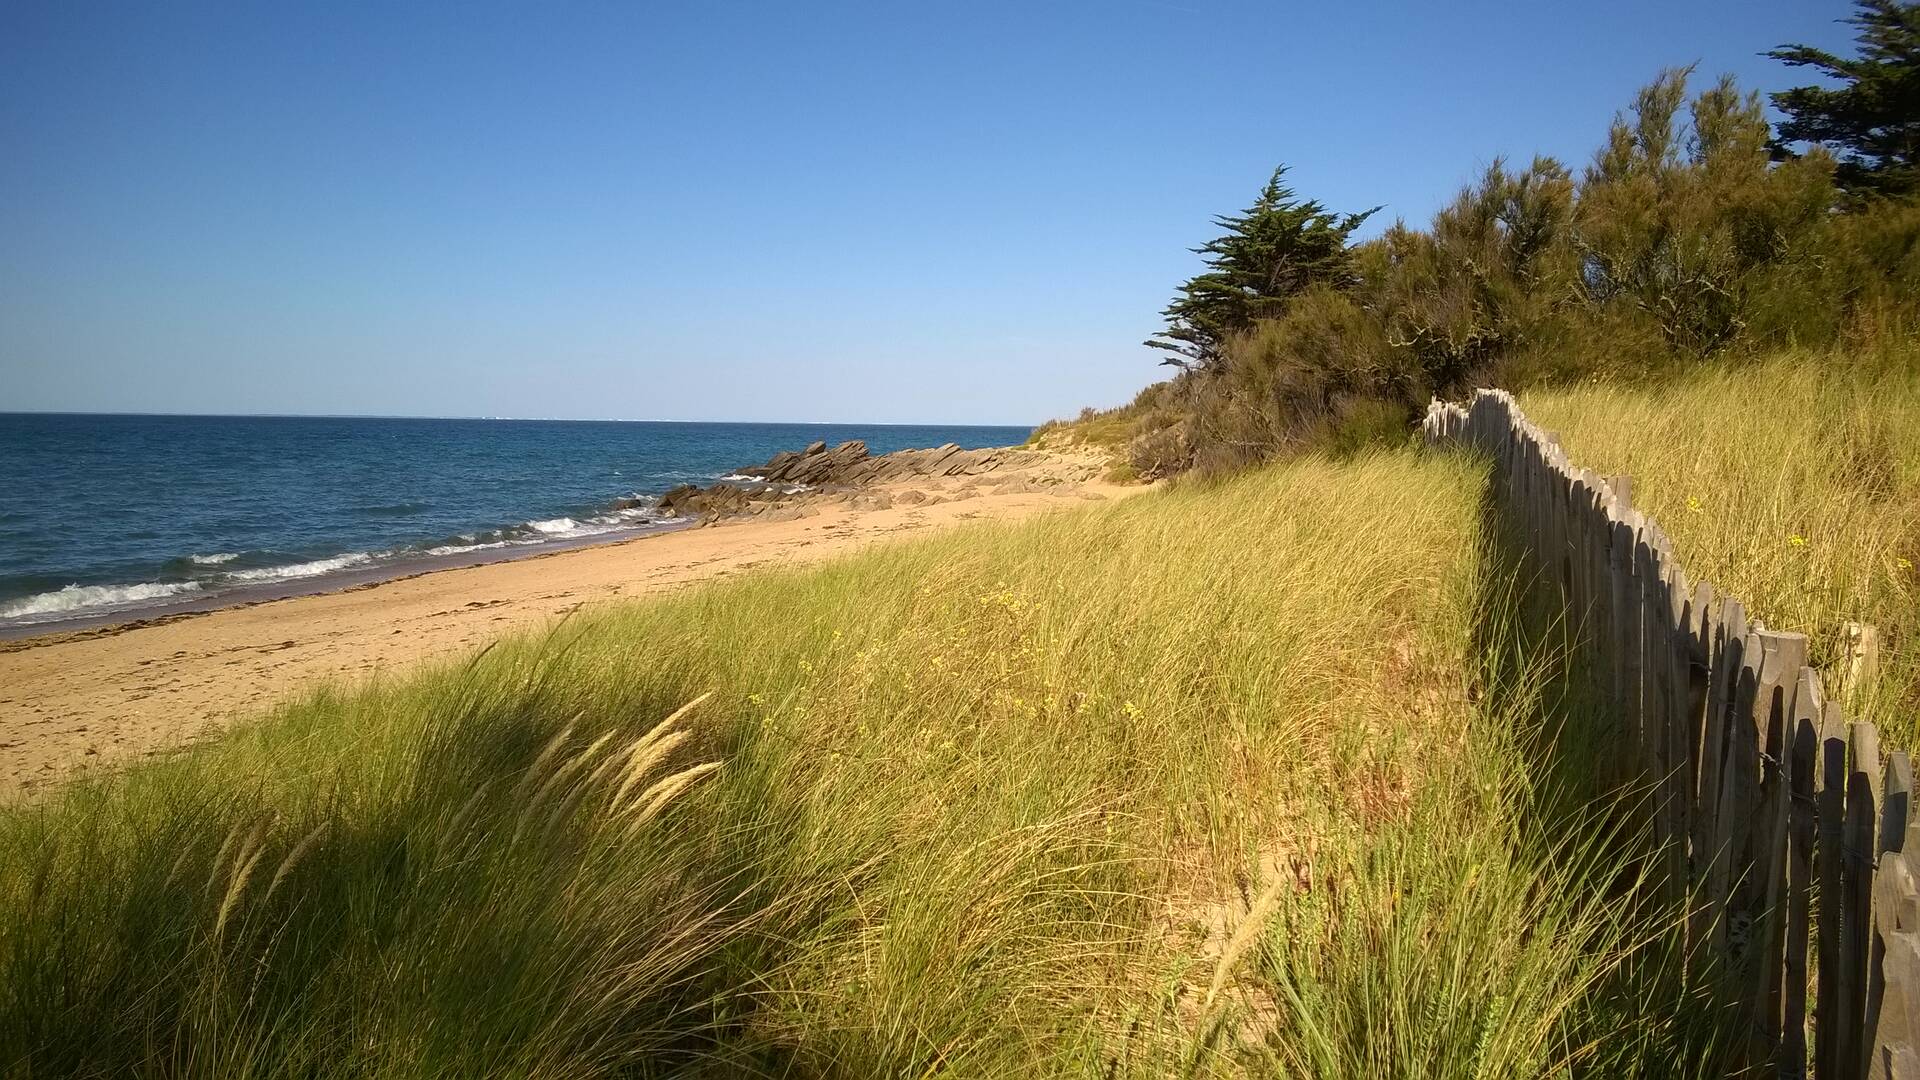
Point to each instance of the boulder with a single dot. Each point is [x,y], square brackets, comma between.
[677,501]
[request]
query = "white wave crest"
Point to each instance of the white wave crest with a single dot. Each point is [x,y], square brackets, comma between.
[462,549]
[294,571]
[214,559]
[554,526]
[75,598]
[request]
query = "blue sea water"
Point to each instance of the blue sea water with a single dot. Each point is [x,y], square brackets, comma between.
[105,514]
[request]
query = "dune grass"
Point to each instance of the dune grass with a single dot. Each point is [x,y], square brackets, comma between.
[1209,782]
[1793,484]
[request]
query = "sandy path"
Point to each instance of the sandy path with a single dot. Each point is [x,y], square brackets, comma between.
[87,700]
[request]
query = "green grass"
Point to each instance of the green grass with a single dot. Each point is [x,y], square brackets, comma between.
[1793,484]
[1107,430]
[1207,782]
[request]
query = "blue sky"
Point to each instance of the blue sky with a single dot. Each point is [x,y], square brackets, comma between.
[925,212]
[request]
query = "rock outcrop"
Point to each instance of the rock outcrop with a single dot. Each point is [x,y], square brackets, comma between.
[850,465]
[817,472]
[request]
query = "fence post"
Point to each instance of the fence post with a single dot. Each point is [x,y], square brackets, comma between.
[1859,664]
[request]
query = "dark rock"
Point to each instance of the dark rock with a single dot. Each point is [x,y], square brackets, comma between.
[677,501]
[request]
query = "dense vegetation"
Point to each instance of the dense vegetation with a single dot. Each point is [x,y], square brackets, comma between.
[1683,242]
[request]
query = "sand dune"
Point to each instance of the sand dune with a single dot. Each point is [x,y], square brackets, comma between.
[92,699]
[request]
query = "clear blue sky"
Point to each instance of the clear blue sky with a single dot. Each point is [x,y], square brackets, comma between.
[937,212]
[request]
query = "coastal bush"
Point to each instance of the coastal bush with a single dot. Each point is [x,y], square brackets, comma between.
[1693,237]
[1205,782]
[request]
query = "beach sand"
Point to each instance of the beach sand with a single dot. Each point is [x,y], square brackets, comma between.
[93,699]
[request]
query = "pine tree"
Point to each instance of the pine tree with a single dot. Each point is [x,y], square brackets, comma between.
[1872,123]
[1273,251]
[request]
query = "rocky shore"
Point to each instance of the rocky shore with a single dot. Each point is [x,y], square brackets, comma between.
[799,483]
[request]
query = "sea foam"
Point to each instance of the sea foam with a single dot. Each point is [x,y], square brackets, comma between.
[294,571]
[78,598]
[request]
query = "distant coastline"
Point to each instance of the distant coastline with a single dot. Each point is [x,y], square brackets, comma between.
[104,688]
[118,518]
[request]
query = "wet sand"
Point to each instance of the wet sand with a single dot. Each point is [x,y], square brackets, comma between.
[94,698]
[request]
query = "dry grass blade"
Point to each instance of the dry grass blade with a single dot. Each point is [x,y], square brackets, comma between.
[1243,936]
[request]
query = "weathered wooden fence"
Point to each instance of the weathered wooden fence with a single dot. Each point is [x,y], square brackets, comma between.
[1771,813]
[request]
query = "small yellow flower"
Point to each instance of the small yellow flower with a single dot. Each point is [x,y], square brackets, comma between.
[1797,540]
[756,699]
[1693,504]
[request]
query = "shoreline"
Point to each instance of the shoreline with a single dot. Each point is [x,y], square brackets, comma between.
[80,699]
[16,636]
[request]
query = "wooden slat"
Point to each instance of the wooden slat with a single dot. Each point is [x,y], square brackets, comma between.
[1702,617]
[1735,884]
[1730,642]
[1856,899]
[1647,715]
[1782,655]
[1890,978]
[1896,1038]
[1802,770]
[1829,872]
[1676,726]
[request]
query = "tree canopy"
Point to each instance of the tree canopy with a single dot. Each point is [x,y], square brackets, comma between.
[1275,250]
[1872,120]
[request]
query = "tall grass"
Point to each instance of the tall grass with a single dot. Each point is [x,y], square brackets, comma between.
[1793,484]
[1207,782]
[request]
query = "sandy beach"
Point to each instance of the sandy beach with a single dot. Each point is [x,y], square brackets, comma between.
[91,699]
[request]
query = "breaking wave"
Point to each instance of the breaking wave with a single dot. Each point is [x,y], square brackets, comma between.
[210,574]
[81,598]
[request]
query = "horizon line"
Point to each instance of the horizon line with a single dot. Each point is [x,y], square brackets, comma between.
[510,419]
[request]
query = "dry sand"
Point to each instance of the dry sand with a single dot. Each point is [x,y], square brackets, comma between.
[90,699]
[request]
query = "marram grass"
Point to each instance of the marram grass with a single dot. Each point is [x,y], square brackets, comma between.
[1206,782]
[1793,484]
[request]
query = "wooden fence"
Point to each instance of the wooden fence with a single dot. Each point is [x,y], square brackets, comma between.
[1772,815]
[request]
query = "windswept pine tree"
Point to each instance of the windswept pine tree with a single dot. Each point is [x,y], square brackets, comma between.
[1274,251]
[1872,121]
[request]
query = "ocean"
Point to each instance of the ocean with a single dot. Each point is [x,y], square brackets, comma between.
[115,516]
